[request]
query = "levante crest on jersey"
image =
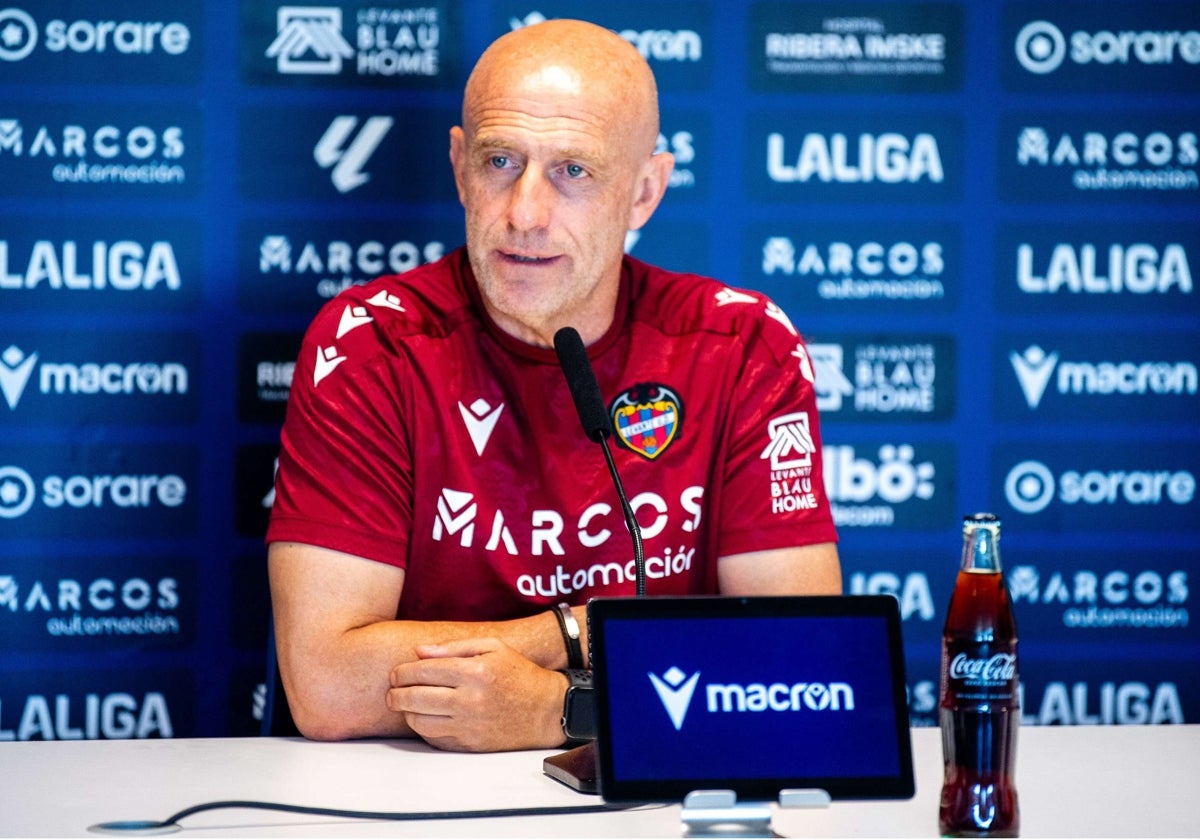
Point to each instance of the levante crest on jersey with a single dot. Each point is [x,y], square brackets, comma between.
[647,418]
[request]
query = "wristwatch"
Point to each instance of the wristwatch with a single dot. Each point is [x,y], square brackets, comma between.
[579,706]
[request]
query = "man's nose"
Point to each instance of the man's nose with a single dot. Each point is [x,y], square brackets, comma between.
[529,201]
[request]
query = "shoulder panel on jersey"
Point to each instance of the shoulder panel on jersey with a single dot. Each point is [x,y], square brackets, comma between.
[690,302]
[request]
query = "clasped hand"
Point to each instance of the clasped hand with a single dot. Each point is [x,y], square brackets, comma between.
[478,695]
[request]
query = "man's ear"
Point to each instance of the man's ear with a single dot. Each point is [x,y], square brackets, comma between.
[458,153]
[650,188]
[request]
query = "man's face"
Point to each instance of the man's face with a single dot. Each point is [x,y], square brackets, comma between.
[550,181]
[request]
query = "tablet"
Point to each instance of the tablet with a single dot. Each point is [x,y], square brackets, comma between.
[754,695]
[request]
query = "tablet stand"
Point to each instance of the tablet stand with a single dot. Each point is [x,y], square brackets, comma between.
[717,813]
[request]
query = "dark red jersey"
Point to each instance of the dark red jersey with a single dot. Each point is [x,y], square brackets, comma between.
[419,434]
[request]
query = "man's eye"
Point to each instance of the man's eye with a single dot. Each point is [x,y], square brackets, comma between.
[574,170]
[498,161]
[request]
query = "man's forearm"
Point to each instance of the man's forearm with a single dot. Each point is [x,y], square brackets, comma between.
[340,692]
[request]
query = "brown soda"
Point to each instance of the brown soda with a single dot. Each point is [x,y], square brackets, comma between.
[979,707]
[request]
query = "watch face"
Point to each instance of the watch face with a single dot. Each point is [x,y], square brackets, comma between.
[579,714]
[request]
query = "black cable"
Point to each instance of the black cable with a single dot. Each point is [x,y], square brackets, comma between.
[533,811]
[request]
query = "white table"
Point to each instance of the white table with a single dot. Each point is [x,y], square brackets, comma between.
[1073,781]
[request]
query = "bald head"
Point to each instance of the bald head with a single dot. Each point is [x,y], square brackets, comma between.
[555,162]
[576,59]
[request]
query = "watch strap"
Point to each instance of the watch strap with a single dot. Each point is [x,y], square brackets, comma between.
[570,633]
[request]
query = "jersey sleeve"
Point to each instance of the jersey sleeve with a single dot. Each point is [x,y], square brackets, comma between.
[773,492]
[344,479]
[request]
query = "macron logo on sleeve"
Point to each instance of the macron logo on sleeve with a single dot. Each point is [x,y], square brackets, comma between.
[675,690]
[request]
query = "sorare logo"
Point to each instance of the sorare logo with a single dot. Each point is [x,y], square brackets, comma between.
[1080,47]
[1083,487]
[129,41]
[95,491]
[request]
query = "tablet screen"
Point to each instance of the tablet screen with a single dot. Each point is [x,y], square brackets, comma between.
[756,695]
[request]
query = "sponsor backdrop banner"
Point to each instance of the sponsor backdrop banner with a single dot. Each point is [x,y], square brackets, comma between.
[984,217]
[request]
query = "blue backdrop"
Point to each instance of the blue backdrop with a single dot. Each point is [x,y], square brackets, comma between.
[983,216]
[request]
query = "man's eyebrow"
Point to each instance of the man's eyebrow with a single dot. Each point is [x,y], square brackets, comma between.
[499,144]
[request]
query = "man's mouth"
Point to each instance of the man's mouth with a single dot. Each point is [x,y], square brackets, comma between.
[528,259]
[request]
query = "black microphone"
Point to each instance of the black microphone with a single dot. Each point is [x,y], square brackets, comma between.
[585,393]
[577,768]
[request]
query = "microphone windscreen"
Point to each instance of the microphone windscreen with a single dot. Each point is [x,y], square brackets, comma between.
[581,379]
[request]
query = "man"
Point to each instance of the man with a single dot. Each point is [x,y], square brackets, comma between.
[436,496]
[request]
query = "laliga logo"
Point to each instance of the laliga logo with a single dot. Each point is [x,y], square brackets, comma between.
[1041,47]
[346,157]
[675,690]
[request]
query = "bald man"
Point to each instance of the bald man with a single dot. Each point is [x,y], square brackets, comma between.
[440,517]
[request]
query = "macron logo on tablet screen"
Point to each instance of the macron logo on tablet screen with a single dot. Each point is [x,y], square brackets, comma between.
[675,690]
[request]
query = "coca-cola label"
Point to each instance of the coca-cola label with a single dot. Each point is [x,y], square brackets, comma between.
[992,670]
[970,677]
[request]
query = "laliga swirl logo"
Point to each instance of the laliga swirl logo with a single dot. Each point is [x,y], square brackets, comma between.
[1041,47]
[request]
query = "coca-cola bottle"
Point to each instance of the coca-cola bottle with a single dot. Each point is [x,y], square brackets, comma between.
[979,708]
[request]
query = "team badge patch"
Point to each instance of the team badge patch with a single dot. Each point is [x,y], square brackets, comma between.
[647,418]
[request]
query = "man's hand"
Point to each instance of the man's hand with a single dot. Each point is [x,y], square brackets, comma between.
[478,695]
